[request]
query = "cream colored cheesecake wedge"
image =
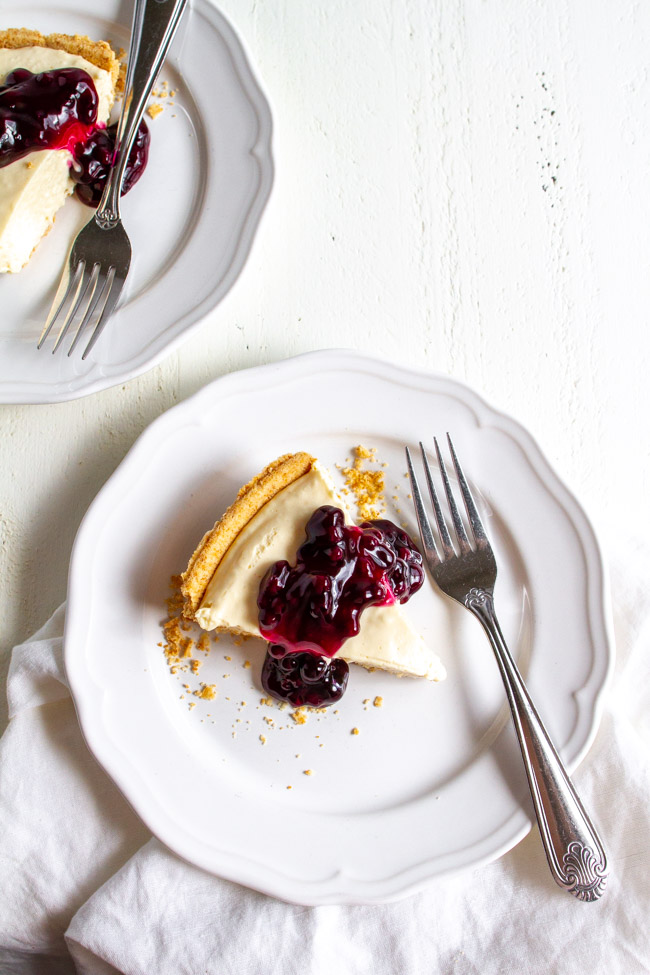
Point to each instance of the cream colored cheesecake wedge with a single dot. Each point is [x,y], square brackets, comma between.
[227,600]
[34,188]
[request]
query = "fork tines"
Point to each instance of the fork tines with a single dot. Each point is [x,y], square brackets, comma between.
[86,293]
[445,543]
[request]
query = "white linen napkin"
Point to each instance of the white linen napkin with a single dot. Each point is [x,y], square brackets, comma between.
[85,889]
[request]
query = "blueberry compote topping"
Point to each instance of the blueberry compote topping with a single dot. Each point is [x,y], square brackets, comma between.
[304,678]
[58,110]
[313,608]
[93,160]
[50,110]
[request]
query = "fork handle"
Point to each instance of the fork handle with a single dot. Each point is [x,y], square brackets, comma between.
[152,31]
[573,848]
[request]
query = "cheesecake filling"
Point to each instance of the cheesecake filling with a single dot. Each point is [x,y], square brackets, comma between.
[385,639]
[35,186]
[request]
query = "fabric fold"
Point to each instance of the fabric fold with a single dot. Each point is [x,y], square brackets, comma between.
[36,671]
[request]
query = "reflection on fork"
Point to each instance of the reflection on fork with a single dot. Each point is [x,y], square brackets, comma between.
[465,569]
[90,286]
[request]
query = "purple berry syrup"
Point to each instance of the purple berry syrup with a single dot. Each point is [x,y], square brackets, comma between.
[93,160]
[304,678]
[50,110]
[311,609]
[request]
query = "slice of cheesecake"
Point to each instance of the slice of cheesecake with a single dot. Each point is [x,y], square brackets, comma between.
[32,189]
[265,524]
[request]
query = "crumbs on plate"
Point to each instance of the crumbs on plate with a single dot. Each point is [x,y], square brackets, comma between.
[366,483]
[186,646]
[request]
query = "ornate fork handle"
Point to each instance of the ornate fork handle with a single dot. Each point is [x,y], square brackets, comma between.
[468,573]
[154,26]
[572,845]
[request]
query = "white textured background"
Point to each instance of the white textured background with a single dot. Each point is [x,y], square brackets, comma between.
[460,184]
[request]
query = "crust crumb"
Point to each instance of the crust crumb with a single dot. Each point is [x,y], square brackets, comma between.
[366,483]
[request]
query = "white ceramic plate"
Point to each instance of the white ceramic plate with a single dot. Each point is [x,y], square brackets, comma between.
[433,782]
[191,218]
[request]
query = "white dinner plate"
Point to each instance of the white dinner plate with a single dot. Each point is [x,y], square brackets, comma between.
[433,782]
[191,218]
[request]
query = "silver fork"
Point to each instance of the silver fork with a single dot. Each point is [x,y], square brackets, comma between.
[573,848]
[100,256]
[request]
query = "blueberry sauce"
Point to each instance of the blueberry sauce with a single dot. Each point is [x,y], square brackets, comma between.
[313,608]
[93,160]
[58,110]
[50,110]
[304,678]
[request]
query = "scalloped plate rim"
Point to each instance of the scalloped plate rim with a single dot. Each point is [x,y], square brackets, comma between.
[339,887]
[104,376]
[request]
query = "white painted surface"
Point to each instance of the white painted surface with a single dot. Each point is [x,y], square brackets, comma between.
[414,216]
